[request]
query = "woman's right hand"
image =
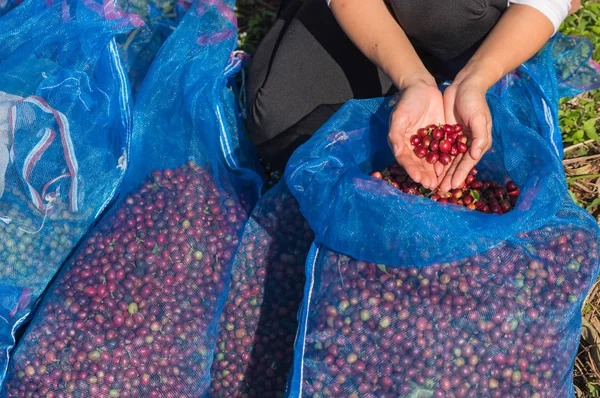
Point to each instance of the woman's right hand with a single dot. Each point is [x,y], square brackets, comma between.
[421,104]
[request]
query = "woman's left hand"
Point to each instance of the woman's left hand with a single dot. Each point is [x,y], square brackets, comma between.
[465,103]
[519,34]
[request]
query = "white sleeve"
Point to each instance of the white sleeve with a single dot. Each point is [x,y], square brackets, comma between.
[555,10]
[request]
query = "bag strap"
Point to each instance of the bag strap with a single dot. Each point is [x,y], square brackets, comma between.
[38,150]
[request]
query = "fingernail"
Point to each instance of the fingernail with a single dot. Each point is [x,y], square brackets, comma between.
[478,152]
[396,149]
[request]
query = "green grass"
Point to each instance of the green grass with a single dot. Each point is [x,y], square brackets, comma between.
[255,17]
[579,119]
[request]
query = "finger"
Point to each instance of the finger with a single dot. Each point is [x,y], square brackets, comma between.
[440,170]
[393,148]
[413,171]
[482,136]
[429,175]
[396,144]
[449,101]
[446,184]
[398,127]
[426,183]
[462,170]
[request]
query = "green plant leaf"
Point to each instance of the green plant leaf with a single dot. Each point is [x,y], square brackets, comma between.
[382,268]
[590,129]
[419,392]
[574,197]
[582,177]
[595,202]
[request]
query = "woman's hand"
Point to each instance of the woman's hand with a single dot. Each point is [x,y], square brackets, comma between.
[520,33]
[465,103]
[421,104]
[375,31]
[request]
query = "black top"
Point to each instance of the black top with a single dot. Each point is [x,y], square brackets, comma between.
[306,67]
[440,26]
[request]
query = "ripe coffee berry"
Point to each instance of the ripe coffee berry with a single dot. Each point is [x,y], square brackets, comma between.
[445,159]
[484,196]
[489,325]
[448,139]
[254,350]
[421,151]
[432,157]
[33,248]
[128,315]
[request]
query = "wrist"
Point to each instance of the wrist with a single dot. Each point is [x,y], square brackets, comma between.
[417,78]
[481,74]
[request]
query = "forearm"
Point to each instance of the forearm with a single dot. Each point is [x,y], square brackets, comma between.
[376,33]
[519,34]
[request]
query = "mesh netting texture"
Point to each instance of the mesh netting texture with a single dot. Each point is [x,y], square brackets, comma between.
[135,310]
[151,23]
[157,19]
[65,126]
[254,350]
[406,297]
[7,5]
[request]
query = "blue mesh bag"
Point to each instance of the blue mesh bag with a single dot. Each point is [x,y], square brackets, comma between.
[157,19]
[254,349]
[235,141]
[407,297]
[7,5]
[134,311]
[152,21]
[65,126]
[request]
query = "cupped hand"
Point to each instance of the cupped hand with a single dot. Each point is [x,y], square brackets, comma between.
[421,104]
[465,103]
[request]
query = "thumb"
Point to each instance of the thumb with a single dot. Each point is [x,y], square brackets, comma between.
[398,127]
[481,130]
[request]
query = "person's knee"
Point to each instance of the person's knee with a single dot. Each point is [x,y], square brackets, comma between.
[264,119]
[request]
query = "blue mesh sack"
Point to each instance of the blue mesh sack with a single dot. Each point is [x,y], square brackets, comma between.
[134,312]
[157,19]
[7,5]
[254,349]
[574,72]
[407,297]
[152,21]
[235,141]
[65,126]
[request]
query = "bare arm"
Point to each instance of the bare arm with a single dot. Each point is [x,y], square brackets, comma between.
[376,33]
[373,29]
[520,33]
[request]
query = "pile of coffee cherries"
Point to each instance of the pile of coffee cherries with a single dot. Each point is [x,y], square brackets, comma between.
[484,196]
[503,323]
[441,143]
[31,248]
[128,315]
[254,351]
